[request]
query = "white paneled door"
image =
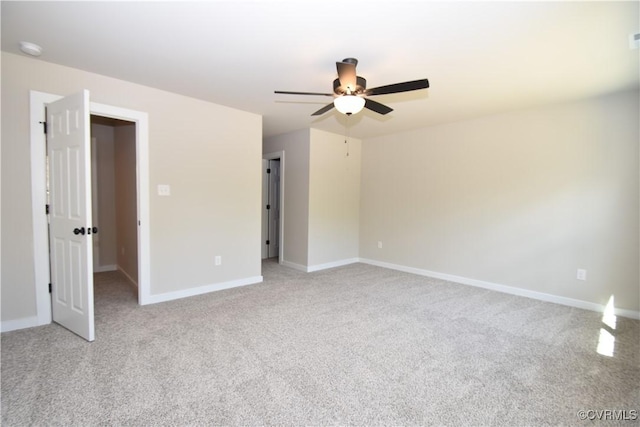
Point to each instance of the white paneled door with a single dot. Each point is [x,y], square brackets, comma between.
[70,227]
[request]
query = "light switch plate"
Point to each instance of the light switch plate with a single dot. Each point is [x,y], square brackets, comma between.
[581,274]
[164,190]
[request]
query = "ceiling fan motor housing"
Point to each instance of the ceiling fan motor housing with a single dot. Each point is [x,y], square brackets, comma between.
[361,86]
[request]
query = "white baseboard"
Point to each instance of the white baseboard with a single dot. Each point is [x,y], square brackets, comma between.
[318,267]
[295,266]
[505,289]
[104,268]
[333,264]
[129,278]
[25,322]
[170,296]
[631,314]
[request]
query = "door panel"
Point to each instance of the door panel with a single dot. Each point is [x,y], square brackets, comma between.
[70,196]
[59,269]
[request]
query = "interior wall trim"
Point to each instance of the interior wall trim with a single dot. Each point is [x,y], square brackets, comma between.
[170,296]
[13,325]
[571,302]
[332,264]
[295,266]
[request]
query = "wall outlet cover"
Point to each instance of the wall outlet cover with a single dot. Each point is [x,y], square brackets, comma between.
[164,190]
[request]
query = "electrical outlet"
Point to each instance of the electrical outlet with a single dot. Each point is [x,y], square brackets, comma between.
[581,274]
[164,190]
[379,244]
[218,260]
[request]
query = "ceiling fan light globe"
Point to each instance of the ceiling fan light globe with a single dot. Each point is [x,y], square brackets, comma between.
[349,104]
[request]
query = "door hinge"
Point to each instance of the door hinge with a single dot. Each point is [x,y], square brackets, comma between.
[267,242]
[44,127]
[47,209]
[49,287]
[268,170]
[268,207]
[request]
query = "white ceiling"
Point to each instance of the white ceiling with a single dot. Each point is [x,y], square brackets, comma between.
[480,57]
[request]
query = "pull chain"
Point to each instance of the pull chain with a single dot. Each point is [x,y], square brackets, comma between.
[346,131]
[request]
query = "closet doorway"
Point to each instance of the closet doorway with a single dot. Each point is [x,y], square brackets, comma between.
[272,205]
[114,196]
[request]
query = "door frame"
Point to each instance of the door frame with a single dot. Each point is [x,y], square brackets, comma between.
[38,102]
[273,156]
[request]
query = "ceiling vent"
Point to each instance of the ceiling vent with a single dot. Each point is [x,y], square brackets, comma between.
[634,41]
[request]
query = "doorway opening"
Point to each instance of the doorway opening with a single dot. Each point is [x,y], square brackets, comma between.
[271,182]
[273,206]
[38,105]
[114,196]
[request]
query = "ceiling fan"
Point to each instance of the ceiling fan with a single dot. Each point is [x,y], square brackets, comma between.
[350,91]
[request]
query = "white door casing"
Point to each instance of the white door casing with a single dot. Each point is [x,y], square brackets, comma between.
[70,221]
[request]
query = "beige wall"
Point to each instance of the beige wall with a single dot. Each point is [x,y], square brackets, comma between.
[209,154]
[334,198]
[321,197]
[296,193]
[17,292]
[521,199]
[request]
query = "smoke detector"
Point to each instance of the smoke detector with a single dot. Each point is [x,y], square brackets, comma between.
[31,49]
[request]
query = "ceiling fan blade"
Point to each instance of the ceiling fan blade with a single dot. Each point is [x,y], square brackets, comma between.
[323,110]
[398,87]
[302,93]
[377,107]
[347,75]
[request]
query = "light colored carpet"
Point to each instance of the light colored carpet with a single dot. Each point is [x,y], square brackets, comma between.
[355,345]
